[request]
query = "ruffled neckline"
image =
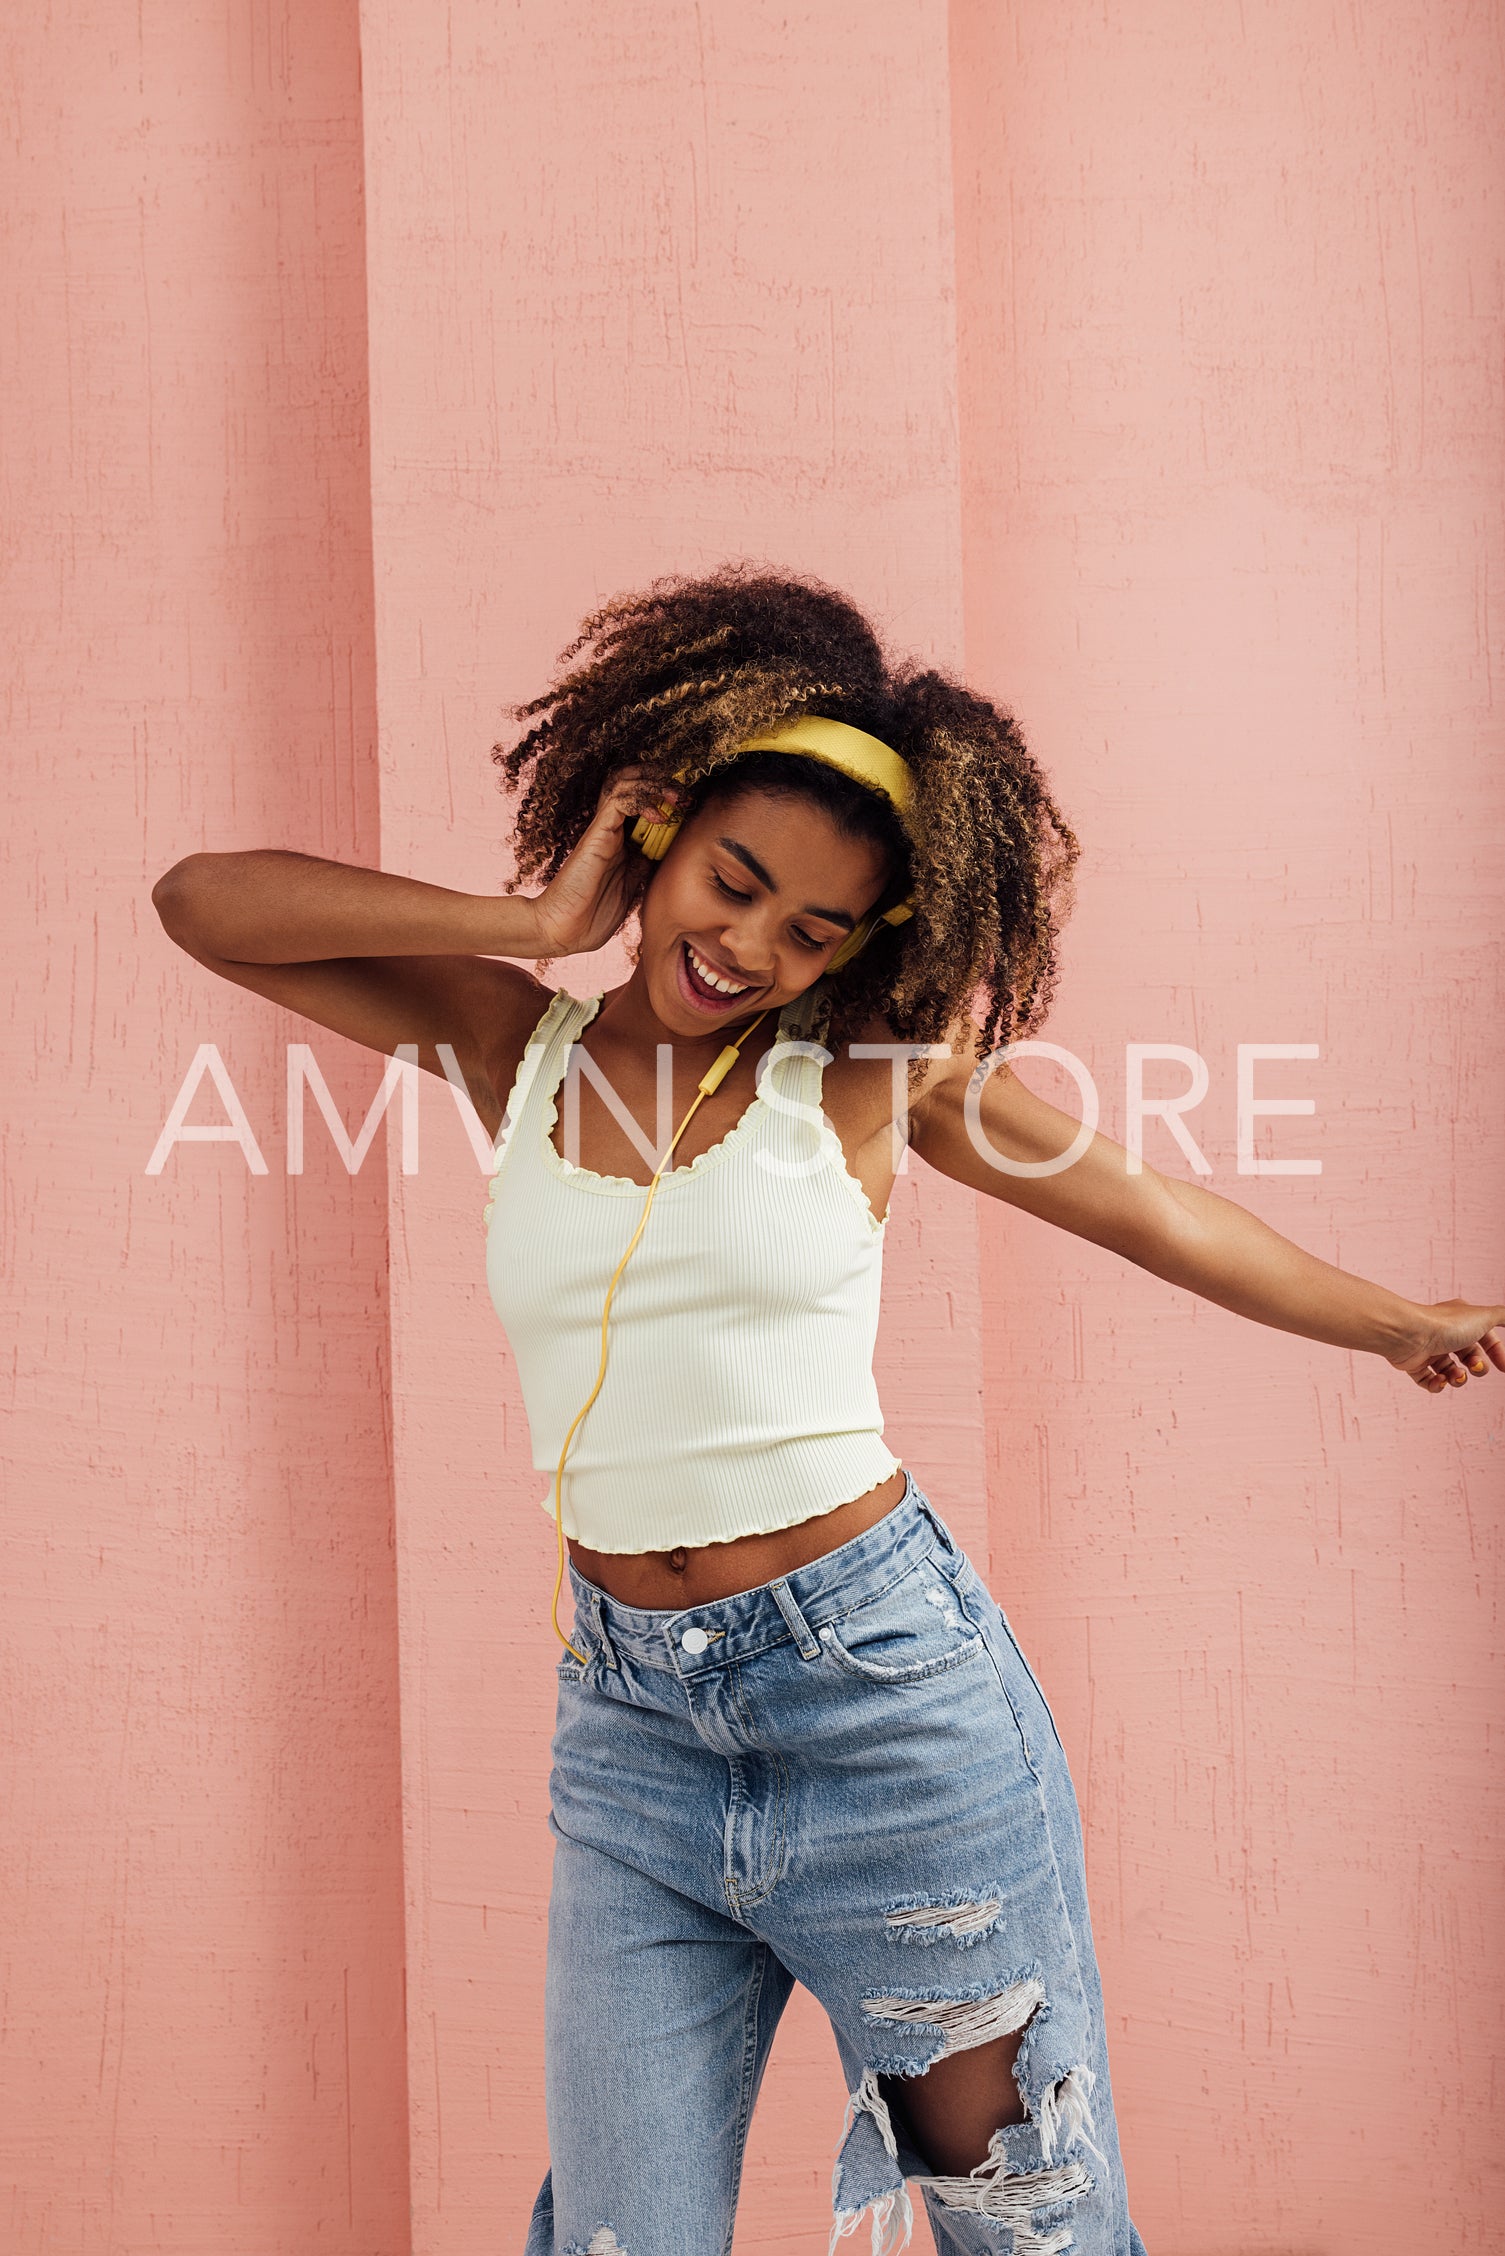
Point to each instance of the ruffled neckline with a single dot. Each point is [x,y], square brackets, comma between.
[800,1020]
[589,1178]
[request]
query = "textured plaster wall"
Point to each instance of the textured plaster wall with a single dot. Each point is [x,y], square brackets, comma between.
[201,1925]
[1145,360]
[1231,290]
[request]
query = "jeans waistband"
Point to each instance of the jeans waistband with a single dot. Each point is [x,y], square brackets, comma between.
[692,1639]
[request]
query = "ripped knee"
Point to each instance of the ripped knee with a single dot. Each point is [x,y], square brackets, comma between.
[1032,2172]
[953,2109]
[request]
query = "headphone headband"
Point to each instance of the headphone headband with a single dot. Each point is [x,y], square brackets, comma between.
[864,758]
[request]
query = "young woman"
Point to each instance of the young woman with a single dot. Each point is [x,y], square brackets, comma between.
[796,1739]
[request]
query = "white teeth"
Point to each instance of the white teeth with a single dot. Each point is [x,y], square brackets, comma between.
[711,978]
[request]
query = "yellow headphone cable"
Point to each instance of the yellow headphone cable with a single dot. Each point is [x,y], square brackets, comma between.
[710,1081]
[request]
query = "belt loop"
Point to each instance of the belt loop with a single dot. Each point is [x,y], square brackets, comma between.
[605,1643]
[954,1555]
[799,1629]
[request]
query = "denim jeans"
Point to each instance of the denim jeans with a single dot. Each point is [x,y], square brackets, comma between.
[847,1778]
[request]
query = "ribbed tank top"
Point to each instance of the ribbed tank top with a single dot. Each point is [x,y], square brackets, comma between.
[739,1393]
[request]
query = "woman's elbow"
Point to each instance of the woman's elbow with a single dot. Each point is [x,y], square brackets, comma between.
[177,894]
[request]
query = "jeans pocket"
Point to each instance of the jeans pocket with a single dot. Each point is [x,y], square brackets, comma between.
[906,1634]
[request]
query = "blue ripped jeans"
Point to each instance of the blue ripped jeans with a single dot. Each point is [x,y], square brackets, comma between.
[847,1778]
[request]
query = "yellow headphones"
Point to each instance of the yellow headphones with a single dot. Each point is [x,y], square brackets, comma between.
[867,761]
[862,757]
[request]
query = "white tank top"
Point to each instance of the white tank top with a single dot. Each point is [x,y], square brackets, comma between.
[739,1391]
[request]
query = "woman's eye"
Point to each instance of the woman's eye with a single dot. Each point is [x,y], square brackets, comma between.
[804,939]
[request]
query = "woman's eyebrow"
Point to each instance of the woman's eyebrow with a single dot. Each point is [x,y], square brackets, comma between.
[751,862]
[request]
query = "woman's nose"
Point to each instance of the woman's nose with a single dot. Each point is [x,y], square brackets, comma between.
[749,951]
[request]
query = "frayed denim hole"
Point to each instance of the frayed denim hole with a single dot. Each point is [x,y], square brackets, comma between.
[961,1919]
[962,2019]
[1029,2181]
[867,2183]
[944,1597]
[1035,2205]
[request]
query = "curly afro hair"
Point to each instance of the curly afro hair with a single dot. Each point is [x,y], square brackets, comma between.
[680,675]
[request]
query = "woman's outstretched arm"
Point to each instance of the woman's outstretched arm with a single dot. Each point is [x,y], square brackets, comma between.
[1186,1234]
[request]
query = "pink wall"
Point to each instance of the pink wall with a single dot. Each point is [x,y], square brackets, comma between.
[1145,359]
[1231,290]
[200,1940]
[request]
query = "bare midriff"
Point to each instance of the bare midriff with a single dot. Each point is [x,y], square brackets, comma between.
[702,1572]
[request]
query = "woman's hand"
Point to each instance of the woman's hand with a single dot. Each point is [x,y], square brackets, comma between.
[1453,1339]
[602,881]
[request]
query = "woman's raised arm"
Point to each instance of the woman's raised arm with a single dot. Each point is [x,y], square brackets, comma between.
[268,906]
[385,959]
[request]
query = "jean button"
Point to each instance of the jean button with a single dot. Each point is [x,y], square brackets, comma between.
[694,1640]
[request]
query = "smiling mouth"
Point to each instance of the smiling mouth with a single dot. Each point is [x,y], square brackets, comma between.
[707,984]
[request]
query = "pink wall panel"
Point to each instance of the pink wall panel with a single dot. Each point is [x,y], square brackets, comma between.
[650,286]
[200,1940]
[1230,285]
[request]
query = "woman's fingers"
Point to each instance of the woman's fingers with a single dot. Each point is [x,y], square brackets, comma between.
[1452,1370]
[623,797]
[1474,1357]
[599,882]
[1467,1341]
[634,791]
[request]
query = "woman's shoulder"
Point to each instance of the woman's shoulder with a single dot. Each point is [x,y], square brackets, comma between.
[526,1009]
[876,1053]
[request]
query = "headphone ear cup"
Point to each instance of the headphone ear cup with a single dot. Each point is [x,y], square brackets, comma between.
[855,941]
[655,838]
